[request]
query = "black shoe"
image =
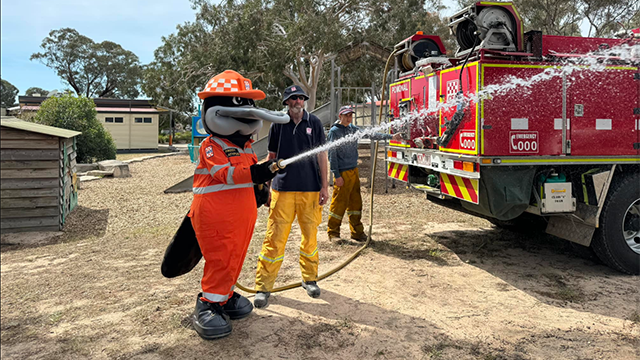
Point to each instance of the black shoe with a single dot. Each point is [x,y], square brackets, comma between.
[210,321]
[237,307]
[261,300]
[312,288]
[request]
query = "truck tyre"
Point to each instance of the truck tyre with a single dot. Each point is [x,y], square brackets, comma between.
[525,223]
[617,241]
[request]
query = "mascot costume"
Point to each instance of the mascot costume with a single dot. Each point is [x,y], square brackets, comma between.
[227,186]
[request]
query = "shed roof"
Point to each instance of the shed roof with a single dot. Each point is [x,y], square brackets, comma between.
[15,123]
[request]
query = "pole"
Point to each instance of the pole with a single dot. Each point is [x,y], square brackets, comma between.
[332,97]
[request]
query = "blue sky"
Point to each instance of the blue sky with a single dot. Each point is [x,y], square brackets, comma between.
[137,25]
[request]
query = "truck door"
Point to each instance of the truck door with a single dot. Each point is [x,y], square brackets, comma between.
[601,105]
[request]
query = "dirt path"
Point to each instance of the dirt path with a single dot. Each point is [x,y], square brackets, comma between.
[435,284]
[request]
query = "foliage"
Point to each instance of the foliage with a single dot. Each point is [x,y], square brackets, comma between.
[163,139]
[279,43]
[8,93]
[92,69]
[79,114]
[182,137]
[36,90]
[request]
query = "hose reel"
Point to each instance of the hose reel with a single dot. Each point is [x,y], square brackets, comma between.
[496,26]
[419,50]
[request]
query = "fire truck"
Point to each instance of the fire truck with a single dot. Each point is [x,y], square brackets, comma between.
[529,131]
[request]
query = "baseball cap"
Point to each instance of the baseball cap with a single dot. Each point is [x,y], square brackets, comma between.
[293,90]
[346,110]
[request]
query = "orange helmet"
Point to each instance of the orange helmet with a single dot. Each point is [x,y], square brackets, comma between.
[230,83]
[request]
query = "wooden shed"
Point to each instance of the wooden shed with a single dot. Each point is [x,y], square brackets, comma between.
[38,182]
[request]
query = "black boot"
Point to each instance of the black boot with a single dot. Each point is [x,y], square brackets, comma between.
[238,306]
[209,320]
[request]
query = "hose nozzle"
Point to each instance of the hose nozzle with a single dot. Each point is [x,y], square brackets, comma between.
[277,166]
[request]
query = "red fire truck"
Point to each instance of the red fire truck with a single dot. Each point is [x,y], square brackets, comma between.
[524,129]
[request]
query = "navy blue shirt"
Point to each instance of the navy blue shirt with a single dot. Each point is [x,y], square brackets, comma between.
[288,140]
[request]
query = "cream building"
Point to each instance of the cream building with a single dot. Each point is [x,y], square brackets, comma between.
[133,124]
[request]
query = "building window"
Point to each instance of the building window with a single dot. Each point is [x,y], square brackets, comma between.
[138,120]
[119,120]
[147,120]
[109,119]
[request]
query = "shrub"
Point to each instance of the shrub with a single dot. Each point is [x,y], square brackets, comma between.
[163,139]
[182,137]
[79,114]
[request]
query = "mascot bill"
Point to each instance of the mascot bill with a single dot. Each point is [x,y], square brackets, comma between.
[227,186]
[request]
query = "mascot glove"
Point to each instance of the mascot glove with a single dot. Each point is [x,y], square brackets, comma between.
[261,173]
[261,191]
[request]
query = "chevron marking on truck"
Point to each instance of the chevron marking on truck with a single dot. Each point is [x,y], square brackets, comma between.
[459,187]
[398,171]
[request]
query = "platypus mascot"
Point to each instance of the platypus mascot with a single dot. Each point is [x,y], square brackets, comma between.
[227,186]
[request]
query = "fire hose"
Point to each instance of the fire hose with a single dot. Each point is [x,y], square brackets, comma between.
[366,244]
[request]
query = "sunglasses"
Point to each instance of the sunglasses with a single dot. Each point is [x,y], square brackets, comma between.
[296,97]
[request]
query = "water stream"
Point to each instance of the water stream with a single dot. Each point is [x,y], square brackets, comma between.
[577,66]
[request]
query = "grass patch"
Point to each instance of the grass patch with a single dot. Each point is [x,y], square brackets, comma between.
[55,317]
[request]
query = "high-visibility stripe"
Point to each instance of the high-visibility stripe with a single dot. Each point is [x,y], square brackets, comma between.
[215,297]
[404,173]
[201,172]
[456,188]
[270,260]
[216,168]
[309,255]
[334,215]
[354,212]
[472,188]
[219,187]
[459,187]
[230,175]
[568,160]
[447,184]
[462,188]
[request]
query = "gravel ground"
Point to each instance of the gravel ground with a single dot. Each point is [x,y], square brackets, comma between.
[435,284]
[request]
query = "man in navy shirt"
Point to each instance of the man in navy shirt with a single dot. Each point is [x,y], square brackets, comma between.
[298,190]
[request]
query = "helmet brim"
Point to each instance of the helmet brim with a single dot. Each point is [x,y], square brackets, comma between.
[247,94]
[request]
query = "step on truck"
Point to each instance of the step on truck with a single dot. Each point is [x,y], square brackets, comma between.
[529,131]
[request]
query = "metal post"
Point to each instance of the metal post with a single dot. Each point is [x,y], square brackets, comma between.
[339,102]
[373,122]
[332,97]
[172,132]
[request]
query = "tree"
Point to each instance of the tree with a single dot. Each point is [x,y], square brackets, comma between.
[36,90]
[92,69]
[606,17]
[79,114]
[8,94]
[277,43]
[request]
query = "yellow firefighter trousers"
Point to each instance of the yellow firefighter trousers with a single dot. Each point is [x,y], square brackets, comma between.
[285,206]
[346,197]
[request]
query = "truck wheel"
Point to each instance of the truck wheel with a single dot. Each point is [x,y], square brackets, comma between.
[524,223]
[617,241]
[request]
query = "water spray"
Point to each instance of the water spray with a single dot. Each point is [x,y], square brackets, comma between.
[595,61]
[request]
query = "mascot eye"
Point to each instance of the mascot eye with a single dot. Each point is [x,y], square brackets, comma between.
[236,100]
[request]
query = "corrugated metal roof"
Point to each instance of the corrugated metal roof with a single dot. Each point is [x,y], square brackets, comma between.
[15,123]
[102,109]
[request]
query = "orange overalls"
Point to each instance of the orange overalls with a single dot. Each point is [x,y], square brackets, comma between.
[223,213]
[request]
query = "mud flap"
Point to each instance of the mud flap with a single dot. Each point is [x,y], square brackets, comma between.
[504,192]
[183,252]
